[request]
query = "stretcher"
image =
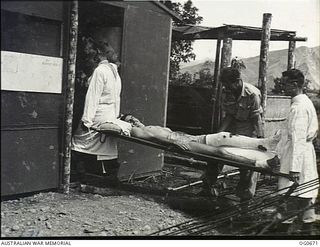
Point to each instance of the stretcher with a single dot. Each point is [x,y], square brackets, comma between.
[198,156]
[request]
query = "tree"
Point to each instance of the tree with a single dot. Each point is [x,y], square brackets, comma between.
[279,86]
[181,50]
[184,79]
[205,75]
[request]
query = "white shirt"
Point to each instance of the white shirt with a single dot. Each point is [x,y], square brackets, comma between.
[102,104]
[103,96]
[298,154]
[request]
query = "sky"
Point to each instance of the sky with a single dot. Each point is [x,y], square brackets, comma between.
[302,16]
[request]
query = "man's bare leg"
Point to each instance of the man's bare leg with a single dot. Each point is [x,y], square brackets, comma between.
[218,151]
[227,139]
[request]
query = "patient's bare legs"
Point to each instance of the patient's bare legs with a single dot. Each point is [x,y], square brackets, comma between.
[227,139]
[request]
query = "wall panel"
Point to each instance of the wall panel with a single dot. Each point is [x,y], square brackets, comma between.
[145,64]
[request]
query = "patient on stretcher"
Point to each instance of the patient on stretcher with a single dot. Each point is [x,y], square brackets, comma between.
[253,151]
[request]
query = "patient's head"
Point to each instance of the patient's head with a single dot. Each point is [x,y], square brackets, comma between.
[134,121]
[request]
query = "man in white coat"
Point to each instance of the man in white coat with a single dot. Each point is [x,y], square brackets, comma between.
[297,156]
[102,104]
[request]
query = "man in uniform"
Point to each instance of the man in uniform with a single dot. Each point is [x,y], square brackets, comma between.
[242,106]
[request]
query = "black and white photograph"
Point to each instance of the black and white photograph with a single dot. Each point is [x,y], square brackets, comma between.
[160,120]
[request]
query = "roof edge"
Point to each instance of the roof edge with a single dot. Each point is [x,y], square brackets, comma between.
[173,14]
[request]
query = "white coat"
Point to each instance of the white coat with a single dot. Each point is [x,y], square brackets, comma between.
[298,153]
[102,104]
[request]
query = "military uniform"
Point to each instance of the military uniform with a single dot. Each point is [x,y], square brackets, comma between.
[247,106]
[243,109]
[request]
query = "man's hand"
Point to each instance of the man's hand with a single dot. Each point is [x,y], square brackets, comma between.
[83,127]
[180,145]
[295,176]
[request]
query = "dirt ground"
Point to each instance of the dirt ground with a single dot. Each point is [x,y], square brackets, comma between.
[144,208]
[80,214]
[111,213]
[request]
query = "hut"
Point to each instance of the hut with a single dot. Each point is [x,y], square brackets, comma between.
[35,44]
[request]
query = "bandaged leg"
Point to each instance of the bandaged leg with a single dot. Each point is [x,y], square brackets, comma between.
[227,139]
[256,157]
[249,156]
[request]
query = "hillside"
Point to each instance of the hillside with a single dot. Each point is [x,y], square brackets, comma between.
[307,59]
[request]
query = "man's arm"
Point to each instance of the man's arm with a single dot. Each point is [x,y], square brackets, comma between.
[255,115]
[225,123]
[109,127]
[258,126]
[298,130]
[93,95]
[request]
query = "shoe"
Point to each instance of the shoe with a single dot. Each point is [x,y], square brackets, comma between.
[111,181]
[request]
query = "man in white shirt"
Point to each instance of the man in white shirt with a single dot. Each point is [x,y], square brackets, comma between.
[102,104]
[297,156]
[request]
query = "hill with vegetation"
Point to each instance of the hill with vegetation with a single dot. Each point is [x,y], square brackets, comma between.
[307,60]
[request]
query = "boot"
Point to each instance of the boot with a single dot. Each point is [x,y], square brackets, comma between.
[209,179]
[77,173]
[111,169]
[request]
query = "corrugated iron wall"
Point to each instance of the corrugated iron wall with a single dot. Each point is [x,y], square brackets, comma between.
[145,66]
[277,111]
[31,122]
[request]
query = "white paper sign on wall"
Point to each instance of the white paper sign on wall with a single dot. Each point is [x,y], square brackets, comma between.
[31,73]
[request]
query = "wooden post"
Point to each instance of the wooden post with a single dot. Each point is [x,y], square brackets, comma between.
[215,87]
[226,55]
[226,52]
[263,64]
[291,58]
[73,34]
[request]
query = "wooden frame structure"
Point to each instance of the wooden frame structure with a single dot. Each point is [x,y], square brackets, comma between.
[226,34]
